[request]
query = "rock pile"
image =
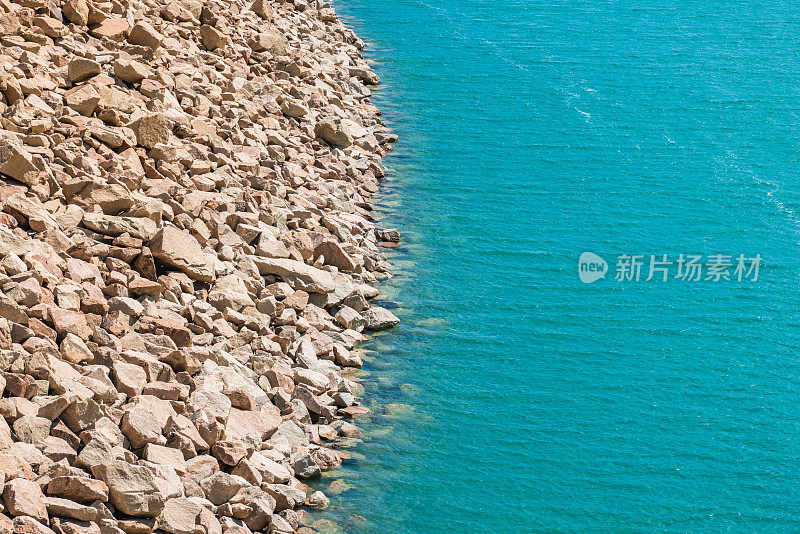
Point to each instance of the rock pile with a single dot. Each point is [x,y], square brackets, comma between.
[186,260]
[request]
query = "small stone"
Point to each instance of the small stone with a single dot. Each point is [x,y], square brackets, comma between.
[77,488]
[74,350]
[338,131]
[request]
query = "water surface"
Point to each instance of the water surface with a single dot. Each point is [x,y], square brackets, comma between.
[520,399]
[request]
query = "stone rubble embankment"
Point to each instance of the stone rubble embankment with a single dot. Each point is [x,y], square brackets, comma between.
[186,261]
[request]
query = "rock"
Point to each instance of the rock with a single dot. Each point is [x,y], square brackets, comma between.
[263,9]
[144,34]
[112,198]
[129,379]
[132,489]
[112,28]
[212,37]
[304,465]
[159,454]
[182,251]
[25,497]
[138,227]
[241,423]
[17,163]
[334,254]
[80,69]
[69,509]
[378,318]
[76,11]
[51,27]
[32,429]
[140,427]
[220,487]
[297,274]
[151,130]
[317,501]
[349,318]
[339,132]
[131,71]
[273,42]
[74,350]
[83,99]
[180,516]
[78,488]
[28,525]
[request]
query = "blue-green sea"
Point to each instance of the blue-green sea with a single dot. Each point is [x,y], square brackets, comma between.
[514,398]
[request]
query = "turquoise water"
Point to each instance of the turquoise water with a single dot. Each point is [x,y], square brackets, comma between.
[526,400]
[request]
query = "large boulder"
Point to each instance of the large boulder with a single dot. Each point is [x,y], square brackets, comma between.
[182,251]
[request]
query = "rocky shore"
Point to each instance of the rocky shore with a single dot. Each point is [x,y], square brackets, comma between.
[187,261]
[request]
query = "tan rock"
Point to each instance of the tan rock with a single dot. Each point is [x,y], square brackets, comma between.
[338,131]
[179,249]
[51,27]
[74,350]
[297,274]
[76,11]
[263,9]
[129,379]
[212,37]
[81,69]
[159,454]
[133,489]
[32,429]
[144,34]
[241,423]
[138,227]
[25,497]
[378,318]
[17,163]
[112,198]
[151,130]
[270,41]
[66,508]
[180,516]
[83,99]
[77,488]
[114,28]
[131,71]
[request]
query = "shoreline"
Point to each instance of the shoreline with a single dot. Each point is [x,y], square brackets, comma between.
[187,262]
